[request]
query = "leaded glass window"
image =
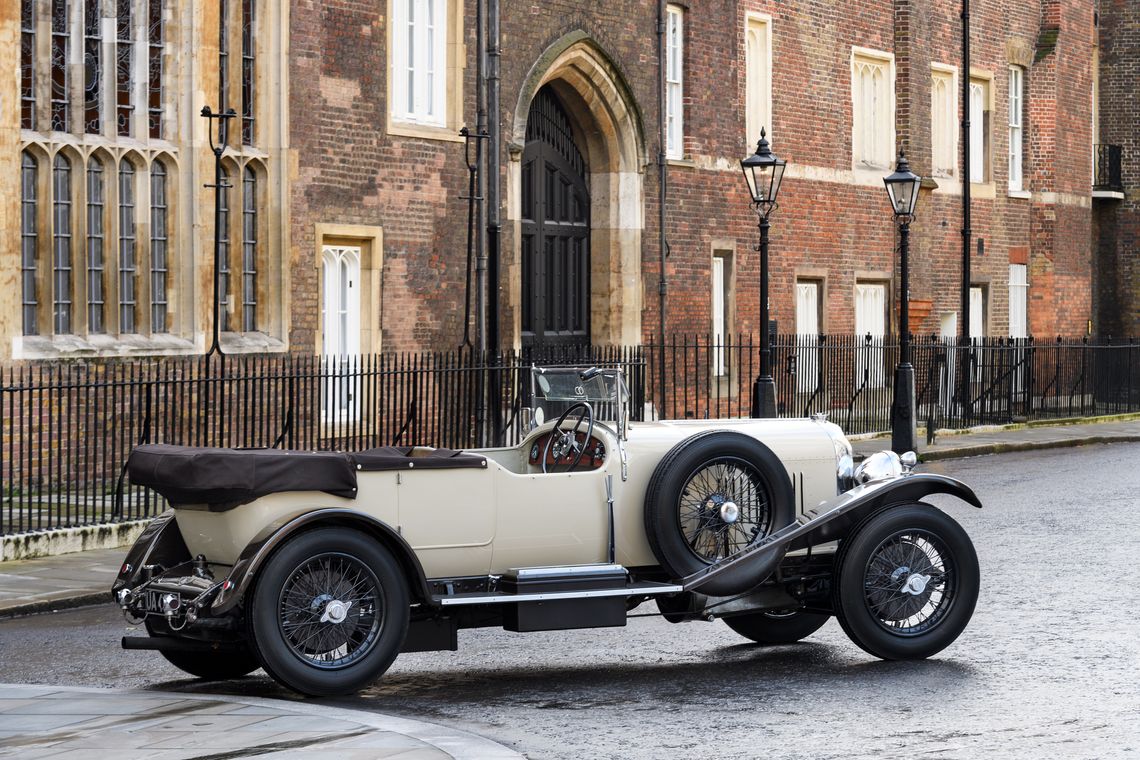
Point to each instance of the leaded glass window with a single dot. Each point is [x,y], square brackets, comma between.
[124,60]
[96,194]
[61,245]
[224,254]
[249,252]
[28,64]
[28,241]
[60,81]
[223,64]
[128,262]
[156,47]
[248,50]
[159,239]
[92,68]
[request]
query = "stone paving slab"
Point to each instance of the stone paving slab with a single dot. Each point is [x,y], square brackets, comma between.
[60,723]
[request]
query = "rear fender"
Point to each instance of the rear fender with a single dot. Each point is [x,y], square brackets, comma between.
[274,535]
[160,543]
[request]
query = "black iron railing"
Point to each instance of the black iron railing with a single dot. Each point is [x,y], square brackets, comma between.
[66,429]
[1107,172]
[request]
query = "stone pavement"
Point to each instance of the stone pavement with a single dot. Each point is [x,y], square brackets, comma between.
[69,580]
[88,724]
[997,439]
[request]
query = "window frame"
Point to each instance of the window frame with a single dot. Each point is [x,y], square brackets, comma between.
[406,67]
[674,82]
[1016,98]
[981,130]
[951,124]
[758,77]
[881,129]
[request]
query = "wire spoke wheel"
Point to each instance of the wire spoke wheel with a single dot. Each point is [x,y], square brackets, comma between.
[331,610]
[724,505]
[909,582]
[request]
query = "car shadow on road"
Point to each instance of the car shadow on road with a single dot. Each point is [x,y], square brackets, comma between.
[768,672]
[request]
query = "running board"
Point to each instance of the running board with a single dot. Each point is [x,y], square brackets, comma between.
[829,521]
[641,588]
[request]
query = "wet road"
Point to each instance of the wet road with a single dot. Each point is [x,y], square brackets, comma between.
[1049,667]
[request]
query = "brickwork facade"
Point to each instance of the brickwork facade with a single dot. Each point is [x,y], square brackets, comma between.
[1117,219]
[355,177]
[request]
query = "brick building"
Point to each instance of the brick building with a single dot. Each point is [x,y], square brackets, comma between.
[346,228]
[1116,213]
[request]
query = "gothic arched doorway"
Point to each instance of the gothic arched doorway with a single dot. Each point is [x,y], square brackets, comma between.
[555,230]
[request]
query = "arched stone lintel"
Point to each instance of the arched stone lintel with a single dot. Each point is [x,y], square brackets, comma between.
[607,121]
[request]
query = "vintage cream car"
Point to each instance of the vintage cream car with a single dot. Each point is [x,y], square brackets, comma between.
[321,567]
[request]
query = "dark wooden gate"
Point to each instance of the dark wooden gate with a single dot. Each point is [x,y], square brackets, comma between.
[555,230]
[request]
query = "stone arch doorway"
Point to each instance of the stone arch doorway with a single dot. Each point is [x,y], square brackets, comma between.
[554,230]
[600,116]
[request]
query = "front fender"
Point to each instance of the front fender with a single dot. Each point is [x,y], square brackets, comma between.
[254,555]
[830,521]
[852,507]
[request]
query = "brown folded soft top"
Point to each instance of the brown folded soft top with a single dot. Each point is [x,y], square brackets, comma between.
[222,479]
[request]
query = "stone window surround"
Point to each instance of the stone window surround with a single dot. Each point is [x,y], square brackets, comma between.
[370,240]
[453,82]
[190,240]
[886,119]
[758,115]
[947,180]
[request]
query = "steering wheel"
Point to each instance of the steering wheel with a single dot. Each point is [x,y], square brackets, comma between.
[567,440]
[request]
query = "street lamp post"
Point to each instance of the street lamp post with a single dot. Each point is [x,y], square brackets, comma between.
[902,189]
[763,172]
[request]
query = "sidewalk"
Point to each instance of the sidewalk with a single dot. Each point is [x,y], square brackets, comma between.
[87,724]
[71,580]
[1002,439]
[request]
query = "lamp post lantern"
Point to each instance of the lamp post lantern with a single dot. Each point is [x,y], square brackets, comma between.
[763,172]
[902,189]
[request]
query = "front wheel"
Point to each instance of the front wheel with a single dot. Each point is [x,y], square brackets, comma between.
[772,627]
[908,583]
[329,612]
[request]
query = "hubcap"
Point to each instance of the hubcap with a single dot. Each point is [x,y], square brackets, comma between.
[729,512]
[916,584]
[335,612]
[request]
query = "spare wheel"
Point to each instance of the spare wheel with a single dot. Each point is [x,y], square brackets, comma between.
[712,495]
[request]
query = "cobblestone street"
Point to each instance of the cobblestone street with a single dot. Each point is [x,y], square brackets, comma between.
[1047,667]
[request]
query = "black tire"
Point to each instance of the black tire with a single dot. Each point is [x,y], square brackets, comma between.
[209,666]
[684,524]
[773,627]
[292,617]
[908,583]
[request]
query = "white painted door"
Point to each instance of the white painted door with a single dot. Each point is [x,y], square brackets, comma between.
[1018,301]
[340,330]
[718,314]
[807,330]
[870,319]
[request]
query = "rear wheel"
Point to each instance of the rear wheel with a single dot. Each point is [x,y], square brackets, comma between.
[211,666]
[329,612]
[776,626]
[908,583]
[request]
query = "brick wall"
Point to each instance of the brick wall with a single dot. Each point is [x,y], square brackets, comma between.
[349,171]
[1117,292]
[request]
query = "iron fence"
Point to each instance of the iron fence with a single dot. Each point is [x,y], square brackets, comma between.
[67,428]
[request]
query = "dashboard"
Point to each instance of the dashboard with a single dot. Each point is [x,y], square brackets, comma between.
[594,457]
